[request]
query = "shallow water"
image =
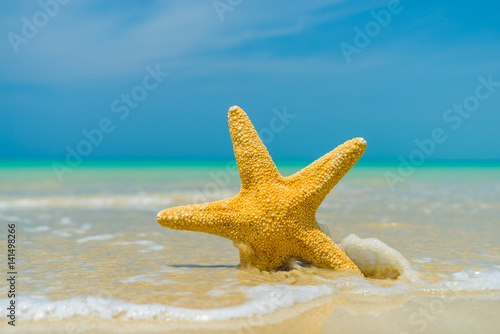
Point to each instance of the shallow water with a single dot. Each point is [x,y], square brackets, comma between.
[91,256]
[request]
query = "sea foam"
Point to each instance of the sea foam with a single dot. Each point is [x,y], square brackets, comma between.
[138,201]
[389,273]
[263,299]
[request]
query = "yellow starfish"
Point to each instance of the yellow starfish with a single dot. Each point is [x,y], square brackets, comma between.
[272,219]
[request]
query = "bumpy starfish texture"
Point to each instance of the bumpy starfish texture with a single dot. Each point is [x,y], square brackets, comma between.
[272,219]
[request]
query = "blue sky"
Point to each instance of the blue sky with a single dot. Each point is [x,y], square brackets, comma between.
[70,74]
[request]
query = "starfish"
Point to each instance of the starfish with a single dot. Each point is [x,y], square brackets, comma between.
[272,219]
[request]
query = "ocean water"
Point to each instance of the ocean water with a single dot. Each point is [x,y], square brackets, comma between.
[92,258]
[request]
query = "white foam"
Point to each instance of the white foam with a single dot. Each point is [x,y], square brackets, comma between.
[263,299]
[149,278]
[150,245]
[466,280]
[137,278]
[138,201]
[360,286]
[62,234]
[377,260]
[373,257]
[422,260]
[83,229]
[100,237]
[65,221]
[42,228]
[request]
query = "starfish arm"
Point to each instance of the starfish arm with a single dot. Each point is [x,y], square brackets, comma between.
[315,181]
[213,218]
[254,162]
[320,250]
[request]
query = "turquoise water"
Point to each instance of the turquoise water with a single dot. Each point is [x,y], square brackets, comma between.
[91,254]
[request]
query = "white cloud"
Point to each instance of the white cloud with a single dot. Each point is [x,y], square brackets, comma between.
[82,43]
